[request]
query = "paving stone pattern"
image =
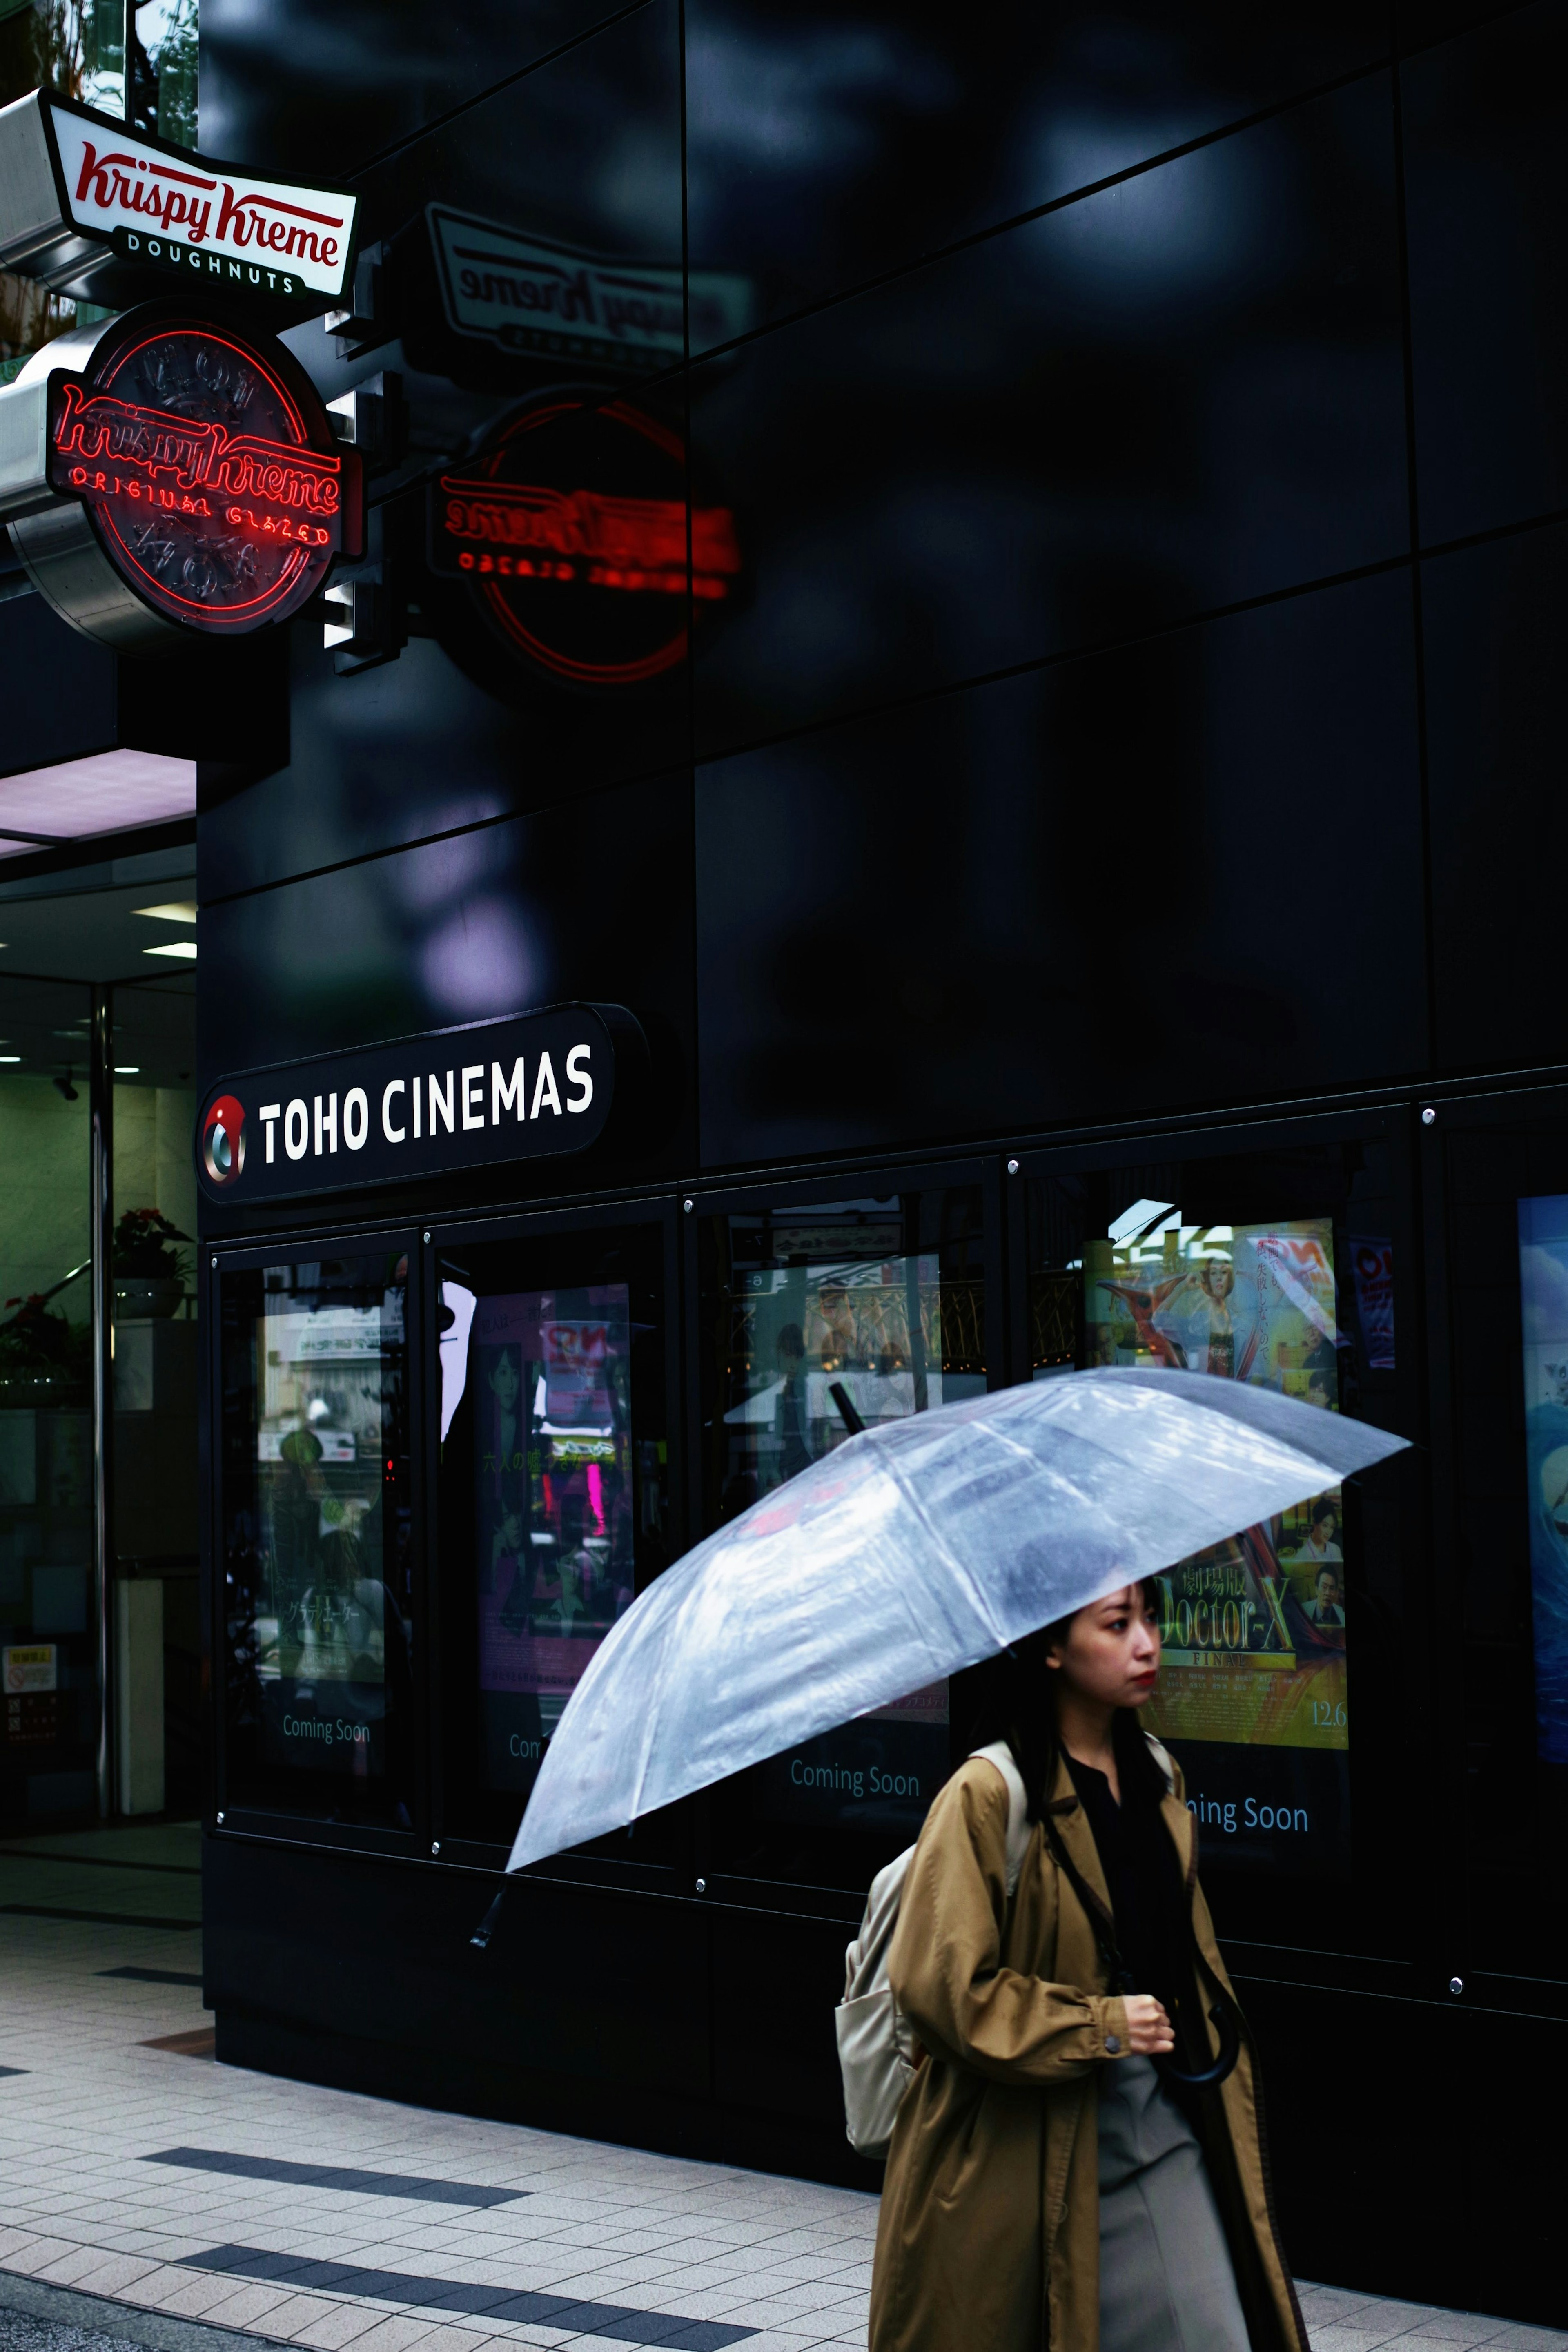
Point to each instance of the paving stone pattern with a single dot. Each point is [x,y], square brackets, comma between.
[182,2190]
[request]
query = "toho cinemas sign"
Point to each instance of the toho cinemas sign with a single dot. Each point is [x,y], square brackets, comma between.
[529,1086]
[94,210]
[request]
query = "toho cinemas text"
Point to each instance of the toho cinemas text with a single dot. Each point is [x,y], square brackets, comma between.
[527,1087]
[413,1107]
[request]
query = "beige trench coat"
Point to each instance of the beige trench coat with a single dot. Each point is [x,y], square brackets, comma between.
[988,2239]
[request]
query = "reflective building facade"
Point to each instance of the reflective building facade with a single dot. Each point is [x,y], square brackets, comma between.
[996,581]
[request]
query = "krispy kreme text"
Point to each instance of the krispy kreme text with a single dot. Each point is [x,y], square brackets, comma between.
[127,191]
[100,442]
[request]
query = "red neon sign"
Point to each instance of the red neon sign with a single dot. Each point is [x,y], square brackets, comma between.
[572,531]
[211,478]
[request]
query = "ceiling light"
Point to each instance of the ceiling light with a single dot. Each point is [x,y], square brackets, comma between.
[178,910]
[127,1069]
[107,792]
[10,1057]
[183,948]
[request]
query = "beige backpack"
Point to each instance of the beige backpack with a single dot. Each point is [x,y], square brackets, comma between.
[877,2046]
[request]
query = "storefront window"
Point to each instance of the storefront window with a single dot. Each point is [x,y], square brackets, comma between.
[316,1553]
[555,1487]
[82,48]
[162,46]
[817,1320]
[49,1641]
[1279,1273]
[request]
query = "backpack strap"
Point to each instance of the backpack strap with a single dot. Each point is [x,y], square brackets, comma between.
[1020,1827]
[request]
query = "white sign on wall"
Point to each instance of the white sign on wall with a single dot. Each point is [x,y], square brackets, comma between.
[77,187]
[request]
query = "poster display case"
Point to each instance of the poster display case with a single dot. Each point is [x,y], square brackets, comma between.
[554,1492]
[818,1316]
[1280,1693]
[315,1538]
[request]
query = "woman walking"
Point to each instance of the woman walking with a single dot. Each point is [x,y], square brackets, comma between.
[1053,2179]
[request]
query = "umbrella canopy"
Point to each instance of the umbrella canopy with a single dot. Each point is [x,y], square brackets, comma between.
[911,1551]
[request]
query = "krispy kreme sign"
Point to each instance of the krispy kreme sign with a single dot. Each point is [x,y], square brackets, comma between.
[80,193]
[208,493]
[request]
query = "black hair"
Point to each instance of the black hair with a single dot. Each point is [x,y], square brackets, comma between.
[791,1340]
[1012,1696]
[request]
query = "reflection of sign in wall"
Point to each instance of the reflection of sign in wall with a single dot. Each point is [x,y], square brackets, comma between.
[87,206]
[526,294]
[571,524]
[520,1088]
[185,464]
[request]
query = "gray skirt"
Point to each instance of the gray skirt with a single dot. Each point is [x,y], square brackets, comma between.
[1167,2283]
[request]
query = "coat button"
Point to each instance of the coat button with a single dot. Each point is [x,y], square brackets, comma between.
[1113,2044]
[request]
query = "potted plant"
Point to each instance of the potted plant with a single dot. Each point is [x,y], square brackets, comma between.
[149,1276]
[43,1358]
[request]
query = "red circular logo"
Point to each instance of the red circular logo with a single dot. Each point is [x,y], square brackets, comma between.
[571,527]
[222,1140]
[207,468]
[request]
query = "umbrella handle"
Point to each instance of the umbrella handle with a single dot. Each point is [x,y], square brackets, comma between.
[848,1412]
[481,1934]
[1222,2017]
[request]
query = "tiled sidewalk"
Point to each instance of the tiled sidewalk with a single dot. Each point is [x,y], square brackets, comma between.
[164,2181]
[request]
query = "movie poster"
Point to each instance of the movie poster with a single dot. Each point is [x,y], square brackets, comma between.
[1253,1692]
[1544,1297]
[549,1372]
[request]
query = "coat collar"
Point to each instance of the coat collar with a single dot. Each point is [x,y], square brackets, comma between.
[1071,1826]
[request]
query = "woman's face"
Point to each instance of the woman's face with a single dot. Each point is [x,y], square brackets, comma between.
[1112,1651]
[505,1382]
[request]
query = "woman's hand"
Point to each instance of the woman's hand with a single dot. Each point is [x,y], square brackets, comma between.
[1149,2033]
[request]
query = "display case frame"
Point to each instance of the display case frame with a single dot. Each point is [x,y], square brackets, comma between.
[1390,1929]
[533,1226]
[217,1262]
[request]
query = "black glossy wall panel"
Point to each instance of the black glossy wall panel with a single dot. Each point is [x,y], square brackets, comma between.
[585,149]
[295,84]
[79,714]
[1180,393]
[1497,700]
[1181,873]
[532,913]
[419,747]
[828,143]
[1487,167]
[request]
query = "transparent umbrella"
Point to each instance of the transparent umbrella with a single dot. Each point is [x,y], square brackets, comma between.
[914,1549]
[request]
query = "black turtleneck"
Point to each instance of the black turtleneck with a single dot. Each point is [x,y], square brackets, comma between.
[1143,1872]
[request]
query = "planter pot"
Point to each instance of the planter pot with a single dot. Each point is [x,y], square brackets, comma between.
[138,1296]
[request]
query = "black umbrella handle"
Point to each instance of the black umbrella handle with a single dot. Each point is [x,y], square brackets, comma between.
[848,1412]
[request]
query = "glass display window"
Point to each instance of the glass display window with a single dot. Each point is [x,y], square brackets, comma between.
[1276,1268]
[316,1539]
[816,1321]
[1497,1176]
[49,1605]
[554,1492]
